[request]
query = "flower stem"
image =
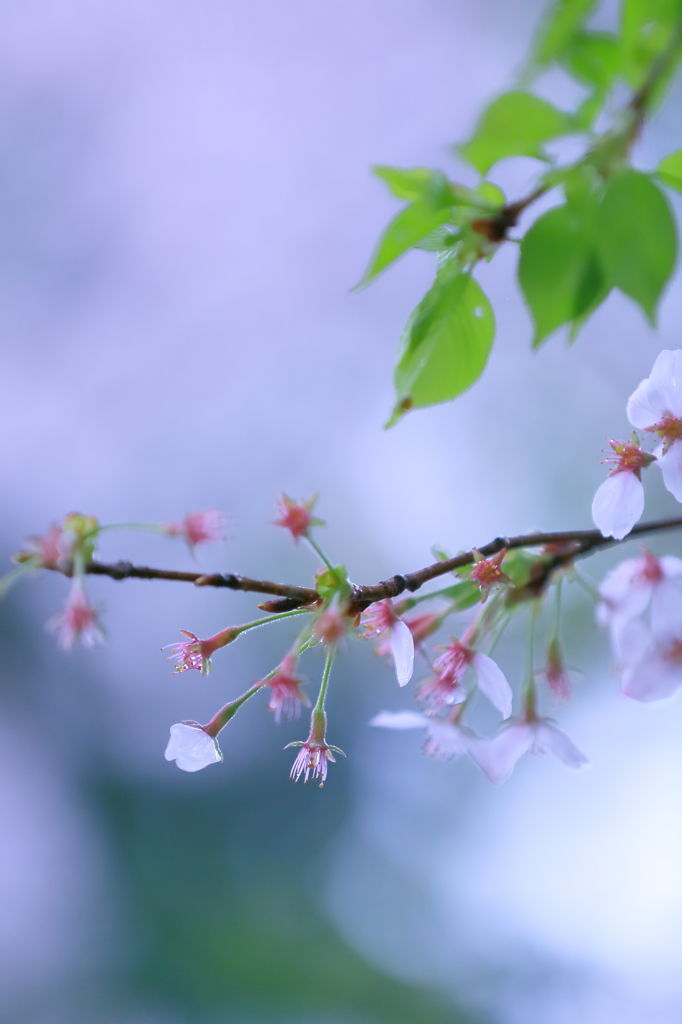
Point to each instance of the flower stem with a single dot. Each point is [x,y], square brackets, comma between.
[270,618]
[319,705]
[220,720]
[530,692]
[318,550]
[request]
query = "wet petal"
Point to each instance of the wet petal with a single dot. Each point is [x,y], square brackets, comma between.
[191,748]
[402,648]
[671,468]
[399,720]
[493,683]
[549,738]
[496,757]
[618,504]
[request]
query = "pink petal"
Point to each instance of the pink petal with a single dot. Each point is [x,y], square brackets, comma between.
[497,757]
[493,683]
[549,738]
[618,504]
[399,720]
[671,468]
[402,648]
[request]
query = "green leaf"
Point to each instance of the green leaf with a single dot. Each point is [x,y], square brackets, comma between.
[648,29]
[637,238]
[559,271]
[516,124]
[670,170]
[333,582]
[594,58]
[405,182]
[416,183]
[463,595]
[411,225]
[558,28]
[446,342]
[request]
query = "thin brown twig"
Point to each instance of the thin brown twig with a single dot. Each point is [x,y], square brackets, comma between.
[565,547]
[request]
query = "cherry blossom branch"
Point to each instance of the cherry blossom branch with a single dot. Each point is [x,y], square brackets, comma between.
[562,548]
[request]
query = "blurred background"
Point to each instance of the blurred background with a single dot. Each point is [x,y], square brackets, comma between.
[186,202]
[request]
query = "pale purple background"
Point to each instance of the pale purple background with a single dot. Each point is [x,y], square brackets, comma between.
[185,203]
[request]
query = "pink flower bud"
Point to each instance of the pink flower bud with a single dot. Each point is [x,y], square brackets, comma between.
[206,527]
[330,627]
[286,697]
[296,517]
[196,653]
[78,621]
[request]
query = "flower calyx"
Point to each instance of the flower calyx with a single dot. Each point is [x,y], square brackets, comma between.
[315,752]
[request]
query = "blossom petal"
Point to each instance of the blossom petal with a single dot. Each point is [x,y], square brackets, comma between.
[446,740]
[665,383]
[666,607]
[549,738]
[402,648]
[671,468]
[191,748]
[618,504]
[625,592]
[496,757]
[651,678]
[493,683]
[399,720]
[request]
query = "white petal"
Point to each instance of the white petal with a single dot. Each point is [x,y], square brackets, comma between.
[651,678]
[631,641]
[402,648]
[653,398]
[666,607]
[493,683]
[497,757]
[672,566]
[665,383]
[549,738]
[671,468]
[448,740]
[400,720]
[618,504]
[191,748]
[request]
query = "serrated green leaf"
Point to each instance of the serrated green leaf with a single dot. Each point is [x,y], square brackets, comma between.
[648,29]
[670,170]
[446,342]
[559,271]
[557,29]
[411,225]
[636,238]
[515,124]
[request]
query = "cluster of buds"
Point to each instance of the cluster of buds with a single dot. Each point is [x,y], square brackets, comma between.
[655,408]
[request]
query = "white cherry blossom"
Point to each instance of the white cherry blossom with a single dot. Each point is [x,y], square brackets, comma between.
[656,407]
[619,502]
[640,583]
[444,740]
[191,747]
[498,756]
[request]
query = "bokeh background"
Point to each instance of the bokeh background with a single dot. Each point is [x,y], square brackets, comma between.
[186,202]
